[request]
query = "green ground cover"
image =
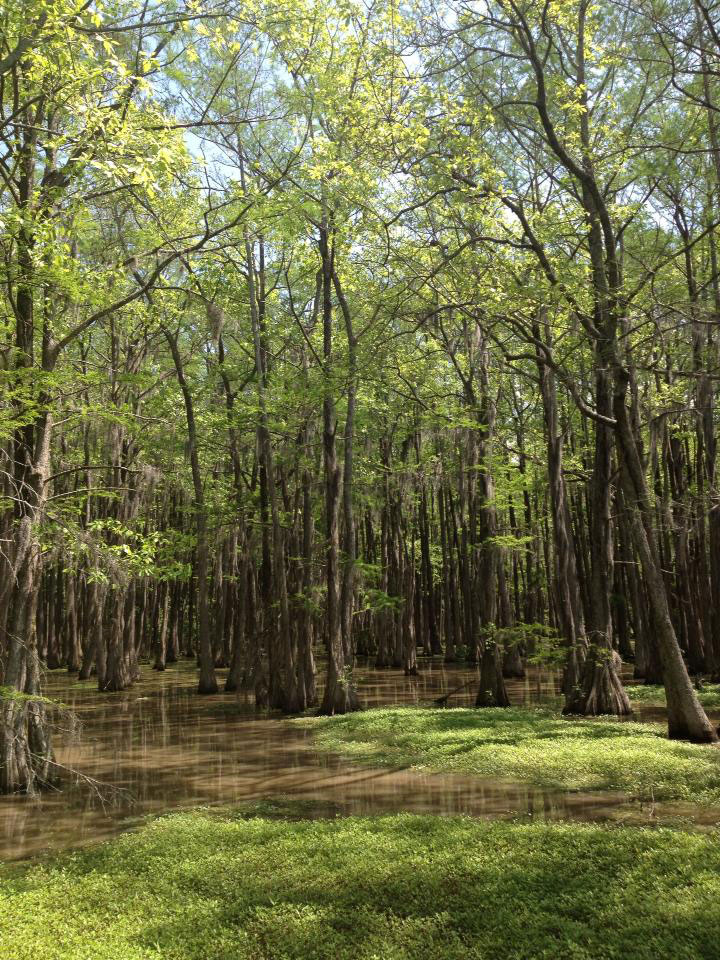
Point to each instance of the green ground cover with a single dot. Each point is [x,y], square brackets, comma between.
[534,746]
[199,887]
[709,695]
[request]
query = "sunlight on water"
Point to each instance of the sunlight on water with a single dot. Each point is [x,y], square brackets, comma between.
[159,746]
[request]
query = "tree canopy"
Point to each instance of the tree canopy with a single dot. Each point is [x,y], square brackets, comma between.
[352,328]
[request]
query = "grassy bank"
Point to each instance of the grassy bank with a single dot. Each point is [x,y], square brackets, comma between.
[196,887]
[535,746]
[653,696]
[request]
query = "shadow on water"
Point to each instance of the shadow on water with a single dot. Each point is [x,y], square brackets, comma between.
[159,747]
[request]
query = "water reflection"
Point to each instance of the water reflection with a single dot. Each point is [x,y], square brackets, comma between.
[159,746]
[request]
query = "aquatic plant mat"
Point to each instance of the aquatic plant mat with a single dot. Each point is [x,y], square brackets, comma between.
[201,887]
[529,745]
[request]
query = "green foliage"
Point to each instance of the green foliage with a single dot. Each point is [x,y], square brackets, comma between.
[17,696]
[378,601]
[548,648]
[533,746]
[510,542]
[198,887]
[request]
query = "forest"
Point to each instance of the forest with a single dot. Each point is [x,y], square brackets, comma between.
[359,367]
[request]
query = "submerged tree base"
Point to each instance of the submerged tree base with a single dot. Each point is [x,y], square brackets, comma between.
[342,701]
[26,756]
[491,691]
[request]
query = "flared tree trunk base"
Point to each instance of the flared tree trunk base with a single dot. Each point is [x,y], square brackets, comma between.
[687,719]
[513,668]
[572,675]
[491,692]
[602,693]
[680,730]
[339,697]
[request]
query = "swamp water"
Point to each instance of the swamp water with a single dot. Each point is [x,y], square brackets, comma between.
[159,747]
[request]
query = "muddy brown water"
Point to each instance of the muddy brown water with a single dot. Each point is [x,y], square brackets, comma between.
[159,747]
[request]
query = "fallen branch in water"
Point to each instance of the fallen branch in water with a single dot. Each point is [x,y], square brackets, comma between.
[442,701]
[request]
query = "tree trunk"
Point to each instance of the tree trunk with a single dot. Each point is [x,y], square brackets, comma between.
[207,683]
[340,695]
